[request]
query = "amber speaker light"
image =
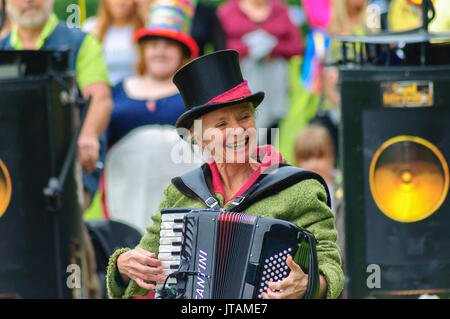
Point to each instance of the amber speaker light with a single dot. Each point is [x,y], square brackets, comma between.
[408,178]
[5,188]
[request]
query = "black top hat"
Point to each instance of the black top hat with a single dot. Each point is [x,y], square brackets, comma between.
[211,82]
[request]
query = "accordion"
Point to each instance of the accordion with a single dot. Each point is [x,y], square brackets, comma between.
[209,254]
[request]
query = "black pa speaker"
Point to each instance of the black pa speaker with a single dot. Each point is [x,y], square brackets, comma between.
[395,146]
[40,247]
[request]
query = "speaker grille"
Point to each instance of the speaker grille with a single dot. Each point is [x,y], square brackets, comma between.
[409,178]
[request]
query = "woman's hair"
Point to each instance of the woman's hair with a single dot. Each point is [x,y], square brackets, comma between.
[313,141]
[141,64]
[340,23]
[105,19]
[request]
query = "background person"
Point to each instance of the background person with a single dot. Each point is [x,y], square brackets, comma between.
[207,29]
[265,37]
[150,97]
[316,151]
[35,28]
[114,26]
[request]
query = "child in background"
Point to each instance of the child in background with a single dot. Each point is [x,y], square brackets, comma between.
[315,151]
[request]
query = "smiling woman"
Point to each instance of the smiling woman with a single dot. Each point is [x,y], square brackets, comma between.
[216,97]
[227,143]
[229,134]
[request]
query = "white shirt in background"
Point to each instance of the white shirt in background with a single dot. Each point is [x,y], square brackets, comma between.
[119,50]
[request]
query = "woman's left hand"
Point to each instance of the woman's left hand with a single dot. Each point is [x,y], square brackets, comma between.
[292,287]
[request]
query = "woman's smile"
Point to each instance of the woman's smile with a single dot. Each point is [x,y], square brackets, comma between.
[239,145]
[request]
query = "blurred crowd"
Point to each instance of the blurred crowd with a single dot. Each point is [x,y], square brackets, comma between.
[286,51]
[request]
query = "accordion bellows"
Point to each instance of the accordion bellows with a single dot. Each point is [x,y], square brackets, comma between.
[218,255]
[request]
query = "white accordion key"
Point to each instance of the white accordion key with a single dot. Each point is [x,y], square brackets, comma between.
[171,225]
[169,248]
[170,264]
[167,272]
[170,233]
[168,257]
[175,240]
[173,217]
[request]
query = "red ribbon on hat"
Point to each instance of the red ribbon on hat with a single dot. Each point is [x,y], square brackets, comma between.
[238,92]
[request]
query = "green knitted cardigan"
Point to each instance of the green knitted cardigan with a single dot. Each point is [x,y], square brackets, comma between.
[303,204]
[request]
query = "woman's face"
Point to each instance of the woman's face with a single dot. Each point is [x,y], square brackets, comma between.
[229,134]
[162,57]
[121,9]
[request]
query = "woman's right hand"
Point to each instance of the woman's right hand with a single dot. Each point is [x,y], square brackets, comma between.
[140,265]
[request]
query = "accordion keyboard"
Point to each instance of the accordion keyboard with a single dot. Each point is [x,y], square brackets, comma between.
[170,240]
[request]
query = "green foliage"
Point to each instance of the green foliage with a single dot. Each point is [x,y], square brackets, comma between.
[61,8]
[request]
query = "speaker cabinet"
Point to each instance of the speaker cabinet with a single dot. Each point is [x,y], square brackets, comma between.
[395,142]
[37,246]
